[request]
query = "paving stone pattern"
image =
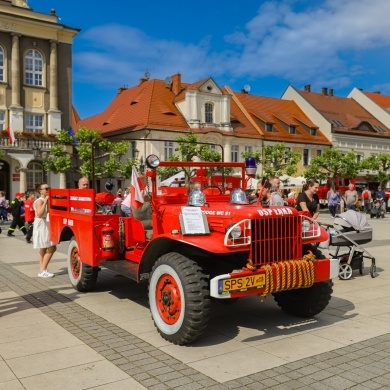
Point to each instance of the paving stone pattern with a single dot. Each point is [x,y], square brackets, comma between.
[364,365]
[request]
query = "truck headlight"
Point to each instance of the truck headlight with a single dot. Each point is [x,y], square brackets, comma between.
[236,231]
[305,225]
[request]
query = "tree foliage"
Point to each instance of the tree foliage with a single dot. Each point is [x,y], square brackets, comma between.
[380,165]
[276,159]
[108,155]
[188,149]
[331,163]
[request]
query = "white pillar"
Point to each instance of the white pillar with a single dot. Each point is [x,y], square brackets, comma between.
[54,114]
[228,152]
[15,72]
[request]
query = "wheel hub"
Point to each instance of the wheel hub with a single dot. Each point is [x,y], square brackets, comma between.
[168,299]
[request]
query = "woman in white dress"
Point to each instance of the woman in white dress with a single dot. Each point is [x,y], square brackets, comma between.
[41,234]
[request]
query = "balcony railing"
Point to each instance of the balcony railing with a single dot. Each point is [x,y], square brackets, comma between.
[26,143]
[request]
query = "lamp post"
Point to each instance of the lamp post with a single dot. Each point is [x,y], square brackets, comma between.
[36,151]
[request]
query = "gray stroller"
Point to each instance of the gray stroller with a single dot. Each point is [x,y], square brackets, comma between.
[351,230]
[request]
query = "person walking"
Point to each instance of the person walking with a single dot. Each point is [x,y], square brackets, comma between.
[29,215]
[333,200]
[3,207]
[351,198]
[41,232]
[16,210]
[366,195]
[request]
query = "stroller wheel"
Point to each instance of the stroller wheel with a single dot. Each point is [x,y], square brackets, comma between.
[373,270]
[345,271]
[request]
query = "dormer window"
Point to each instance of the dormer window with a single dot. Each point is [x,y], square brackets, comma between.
[208,111]
[292,130]
[269,127]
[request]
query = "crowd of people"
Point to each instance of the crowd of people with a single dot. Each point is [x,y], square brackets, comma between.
[270,193]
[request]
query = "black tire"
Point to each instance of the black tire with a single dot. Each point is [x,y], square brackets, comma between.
[373,270]
[179,298]
[82,276]
[305,302]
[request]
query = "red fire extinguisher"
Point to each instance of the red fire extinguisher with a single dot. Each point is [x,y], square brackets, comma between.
[108,245]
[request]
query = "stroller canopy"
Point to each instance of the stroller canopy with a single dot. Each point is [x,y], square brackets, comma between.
[352,219]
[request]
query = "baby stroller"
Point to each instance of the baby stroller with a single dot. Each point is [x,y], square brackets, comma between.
[377,209]
[351,230]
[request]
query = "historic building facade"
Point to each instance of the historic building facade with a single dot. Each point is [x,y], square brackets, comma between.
[35,91]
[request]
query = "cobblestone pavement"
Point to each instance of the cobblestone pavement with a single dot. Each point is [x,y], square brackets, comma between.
[103,354]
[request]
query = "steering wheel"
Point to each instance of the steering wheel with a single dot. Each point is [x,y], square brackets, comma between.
[220,191]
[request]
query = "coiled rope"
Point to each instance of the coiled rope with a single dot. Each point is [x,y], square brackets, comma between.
[290,274]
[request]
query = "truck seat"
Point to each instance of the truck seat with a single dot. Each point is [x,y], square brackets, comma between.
[143,214]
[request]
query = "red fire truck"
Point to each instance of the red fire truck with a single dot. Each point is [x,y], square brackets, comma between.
[192,249]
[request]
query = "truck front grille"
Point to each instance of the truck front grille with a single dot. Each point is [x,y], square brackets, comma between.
[276,239]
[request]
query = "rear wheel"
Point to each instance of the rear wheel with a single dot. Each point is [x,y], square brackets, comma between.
[83,277]
[305,302]
[179,298]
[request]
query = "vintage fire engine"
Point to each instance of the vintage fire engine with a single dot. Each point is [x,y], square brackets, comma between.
[196,246]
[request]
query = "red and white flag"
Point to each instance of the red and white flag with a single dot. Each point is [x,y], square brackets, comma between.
[138,190]
[11,134]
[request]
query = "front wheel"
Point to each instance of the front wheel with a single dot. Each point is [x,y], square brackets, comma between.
[305,302]
[82,276]
[179,298]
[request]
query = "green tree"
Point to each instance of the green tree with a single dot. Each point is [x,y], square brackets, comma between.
[380,164]
[188,148]
[332,163]
[276,160]
[107,155]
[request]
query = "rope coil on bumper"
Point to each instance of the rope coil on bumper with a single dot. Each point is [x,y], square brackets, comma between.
[289,275]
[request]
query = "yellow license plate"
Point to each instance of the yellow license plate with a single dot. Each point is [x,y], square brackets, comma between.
[241,284]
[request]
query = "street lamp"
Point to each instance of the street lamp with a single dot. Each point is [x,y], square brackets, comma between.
[141,165]
[36,151]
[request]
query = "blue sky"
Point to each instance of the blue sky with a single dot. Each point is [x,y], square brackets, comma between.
[267,45]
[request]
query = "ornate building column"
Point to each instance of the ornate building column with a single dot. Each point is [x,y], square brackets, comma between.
[23,180]
[15,110]
[227,151]
[54,114]
[15,71]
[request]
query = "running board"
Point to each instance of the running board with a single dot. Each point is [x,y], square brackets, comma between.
[123,267]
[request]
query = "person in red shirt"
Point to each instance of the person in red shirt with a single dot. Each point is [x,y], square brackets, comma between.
[29,215]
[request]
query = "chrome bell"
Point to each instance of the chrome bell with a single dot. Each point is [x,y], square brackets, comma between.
[238,196]
[196,198]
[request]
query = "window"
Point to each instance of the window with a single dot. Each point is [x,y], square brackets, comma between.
[305,157]
[359,157]
[33,68]
[1,120]
[168,150]
[34,175]
[269,127]
[212,147]
[1,64]
[248,148]
[319,152]
[234,153]
[313,132]
[34,123]
[292,130]
[208,111]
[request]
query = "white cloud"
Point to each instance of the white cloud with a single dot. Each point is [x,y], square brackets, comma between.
[318,44]
[300,45]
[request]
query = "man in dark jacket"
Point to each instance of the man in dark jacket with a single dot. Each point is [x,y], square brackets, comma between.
[17,220]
